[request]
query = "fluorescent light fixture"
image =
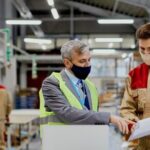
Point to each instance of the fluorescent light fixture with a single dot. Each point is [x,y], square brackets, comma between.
[76,39]
[23,22]
[110,45]
[133,46]
[55,13]
[124,55]
[90,41]
[105,40]
[115,21]
[103,51]
[50,2]
[38,41]
[43,47]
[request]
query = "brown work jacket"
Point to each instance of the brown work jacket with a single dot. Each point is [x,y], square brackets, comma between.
[136,100]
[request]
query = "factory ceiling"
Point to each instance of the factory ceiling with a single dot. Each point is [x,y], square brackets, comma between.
[80,16]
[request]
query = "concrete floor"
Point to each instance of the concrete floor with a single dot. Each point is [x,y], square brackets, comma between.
[35,144]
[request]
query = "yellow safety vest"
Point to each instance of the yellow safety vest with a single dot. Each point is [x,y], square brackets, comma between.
[50,117]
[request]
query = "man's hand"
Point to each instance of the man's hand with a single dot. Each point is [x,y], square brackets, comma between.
[133,126]
[121,123]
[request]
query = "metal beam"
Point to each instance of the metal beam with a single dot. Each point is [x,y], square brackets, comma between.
[71,22]
[19,50]
[136,4]
[43,18]
[107,13]
[139,4]
[94,10]
[26,13]
[56,59]
[77,19]
[2,14]
[46,68]
[115,7]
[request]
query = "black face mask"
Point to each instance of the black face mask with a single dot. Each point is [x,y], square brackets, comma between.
[81,72]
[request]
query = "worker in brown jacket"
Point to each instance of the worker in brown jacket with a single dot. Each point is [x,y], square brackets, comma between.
[136,101]
[5,108]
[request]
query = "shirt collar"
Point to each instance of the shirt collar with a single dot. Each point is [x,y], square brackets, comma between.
[72,77]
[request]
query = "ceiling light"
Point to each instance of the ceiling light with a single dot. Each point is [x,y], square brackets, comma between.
[110,45]
[105,40]
[133,46]
[39,41]
[90,41]
[55,13]
[124,55]
[103,51]
[115,21]
[76,39]
[50,2]
[43,47]
[23,22]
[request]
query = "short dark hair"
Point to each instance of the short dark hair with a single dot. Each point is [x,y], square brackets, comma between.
[143,32]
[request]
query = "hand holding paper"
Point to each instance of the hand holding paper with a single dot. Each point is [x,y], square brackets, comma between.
[142,129]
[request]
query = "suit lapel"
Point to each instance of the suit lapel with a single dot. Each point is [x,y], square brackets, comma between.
[68,83]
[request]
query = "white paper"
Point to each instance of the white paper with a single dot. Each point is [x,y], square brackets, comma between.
[142,129]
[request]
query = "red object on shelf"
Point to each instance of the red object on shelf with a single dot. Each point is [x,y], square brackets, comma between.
[2,86]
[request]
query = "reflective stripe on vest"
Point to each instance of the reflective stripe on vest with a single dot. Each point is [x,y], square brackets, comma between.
[50,117]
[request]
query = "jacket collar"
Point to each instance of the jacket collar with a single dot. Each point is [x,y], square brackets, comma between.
[69,85]
[139,76]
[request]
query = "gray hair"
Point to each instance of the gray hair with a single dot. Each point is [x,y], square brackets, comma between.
[73,45]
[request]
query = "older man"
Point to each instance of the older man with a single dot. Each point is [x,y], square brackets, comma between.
[69,97]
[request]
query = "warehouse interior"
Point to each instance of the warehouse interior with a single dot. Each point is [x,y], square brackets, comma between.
[31,52]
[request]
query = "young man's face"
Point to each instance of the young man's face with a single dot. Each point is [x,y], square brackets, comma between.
[144,46]
[79,59]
